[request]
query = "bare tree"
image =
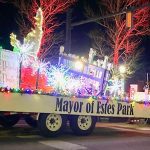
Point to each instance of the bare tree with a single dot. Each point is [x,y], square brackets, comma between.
[101,44]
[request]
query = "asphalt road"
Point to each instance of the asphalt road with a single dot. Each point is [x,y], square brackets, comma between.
[106,136]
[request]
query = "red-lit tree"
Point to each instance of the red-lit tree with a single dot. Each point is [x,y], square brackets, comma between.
[51,8]
[122,41]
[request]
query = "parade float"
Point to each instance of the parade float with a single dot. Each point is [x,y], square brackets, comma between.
[72,90]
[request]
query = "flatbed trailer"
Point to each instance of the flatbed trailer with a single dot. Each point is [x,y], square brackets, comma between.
[53,112]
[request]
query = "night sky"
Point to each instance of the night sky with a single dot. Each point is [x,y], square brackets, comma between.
[80,40]
[7,24]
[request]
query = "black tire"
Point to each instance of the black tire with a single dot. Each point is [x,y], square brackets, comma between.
[30,121]
[148,121]
[9,120]
[51,125]
[83,128]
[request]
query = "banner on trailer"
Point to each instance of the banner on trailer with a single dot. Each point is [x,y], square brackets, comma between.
[65,105]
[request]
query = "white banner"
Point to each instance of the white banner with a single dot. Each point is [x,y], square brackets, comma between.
[65,105]
[9,69]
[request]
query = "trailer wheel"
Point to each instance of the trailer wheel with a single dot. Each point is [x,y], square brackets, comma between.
[30,121]
[9,121]
[82,125]
[148,121]
[51,125]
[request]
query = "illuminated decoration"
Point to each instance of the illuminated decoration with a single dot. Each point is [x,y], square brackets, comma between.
[22,91]
[57,77]
[62,81]
[84,77]
[122,69]
[141,96]
[79,65]
[9,69]
[30,66]
[40,66]
[105,64]
[31,43]
[68,82]
[138,96]
[89,99]
[34,79]
[133,90]
[115,87]
[71,59]
[1,48]
[92,53]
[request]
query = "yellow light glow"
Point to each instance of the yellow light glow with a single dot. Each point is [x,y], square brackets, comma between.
[90,100]
[79,65]
[122,69]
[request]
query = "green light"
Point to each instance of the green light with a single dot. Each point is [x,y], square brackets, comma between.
[1,48]
[94,97]
[15,49]
[17,90]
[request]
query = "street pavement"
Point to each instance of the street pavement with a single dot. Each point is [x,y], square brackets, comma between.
[106,136]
